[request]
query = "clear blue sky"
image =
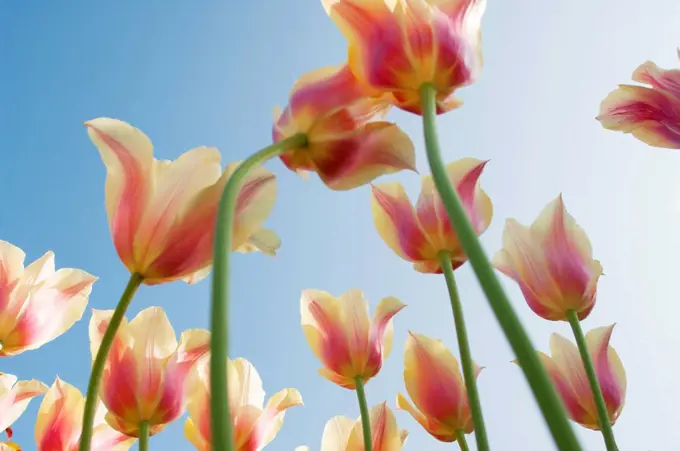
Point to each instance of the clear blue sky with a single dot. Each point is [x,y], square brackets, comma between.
[209,73]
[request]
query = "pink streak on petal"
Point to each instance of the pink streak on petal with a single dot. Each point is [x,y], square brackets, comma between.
[119,384]
[611,388]
[376,336]
[664,80]
[467,190]
[335,349]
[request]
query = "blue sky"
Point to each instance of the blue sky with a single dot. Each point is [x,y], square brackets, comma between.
[209,73]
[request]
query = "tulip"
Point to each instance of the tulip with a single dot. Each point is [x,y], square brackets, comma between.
[347,142]
[344,434]
[436,387]
[14,399]
[419,234]
[37,303]
[397,46]
[255,424]
[162,214]
[342,337]
[651,114]
[552,261]
[60,420]
[9,446]
[146,369]
[569,376]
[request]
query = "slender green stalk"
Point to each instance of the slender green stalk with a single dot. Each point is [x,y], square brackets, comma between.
[544,392]
[602,413]
[461,440]
[465,354]
[144,436]
[219,341]
[100,360]
[365,416]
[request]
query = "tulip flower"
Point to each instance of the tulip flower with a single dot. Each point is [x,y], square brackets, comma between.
[344,434]
[9,446]
[650,113]
[255,424]
[60,420]
[397,46]
[419,234]
[569,376]
[37,303]
[436,387]
[162,214]
[146,369]
[14,399]
[342,336]
[552,261]
[348,143]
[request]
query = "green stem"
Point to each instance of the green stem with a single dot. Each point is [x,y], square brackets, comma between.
[365,417]
[144,436]
[465,354]
[601,406]
[100,360]
[543,390]
[219,342]
[461,440]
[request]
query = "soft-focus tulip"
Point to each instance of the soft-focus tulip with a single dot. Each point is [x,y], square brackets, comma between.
[14,399]
[37,303]
[345,434]
[552,261]
[146,369]
[342,336]
[9,446]
[436,387]
[569,376]
[60,420]
[348,142]
[255,424]
[419,234]
[396,46]
[162,213]
[651,114]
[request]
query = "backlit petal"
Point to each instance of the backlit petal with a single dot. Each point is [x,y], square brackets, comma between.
[59,418]
[245,385]
[262,240]
[664,80]
[382,331]
[609,369]
[271,420]
[192,434]
[432,426]
[386,435]
[336,433]
[14,401]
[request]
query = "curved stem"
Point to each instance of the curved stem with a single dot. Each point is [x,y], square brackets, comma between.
[461,440]
[465,354]
[365,416]
[601,406]
[144,436]
[219,339]
[543,390]
[100,360]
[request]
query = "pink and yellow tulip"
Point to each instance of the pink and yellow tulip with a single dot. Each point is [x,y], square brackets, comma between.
[345,434]
[348,142]
[255,424]
[37,303]
[146,369]
[650,113]
[552,261]
[397,46]
[14,399]
[162,213]
[419,234]
[60,421]
[435,384]
[341,335]
[569,376]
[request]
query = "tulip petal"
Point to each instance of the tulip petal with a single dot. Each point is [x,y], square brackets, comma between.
[128,156]
[397,223]
[11,269]
[664,80]
[432,426]
[357,326]
[336,433]
[59,417]
[385,434]
[262,240]
[465,174]
[14,401]
[246,385]
[382,330]
[270,422]
[192,434]
[609,369]
[564,388]
[650,115]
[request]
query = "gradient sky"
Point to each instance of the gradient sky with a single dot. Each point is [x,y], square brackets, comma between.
[209,73]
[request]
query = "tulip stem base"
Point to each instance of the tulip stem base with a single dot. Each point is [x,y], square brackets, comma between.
[100,360]
[222,437]
[465,354]
[460,438]
[144,436]
[365,416]
[541,386]
[600,405]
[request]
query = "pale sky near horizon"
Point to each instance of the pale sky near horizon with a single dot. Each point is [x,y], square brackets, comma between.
[209,73]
